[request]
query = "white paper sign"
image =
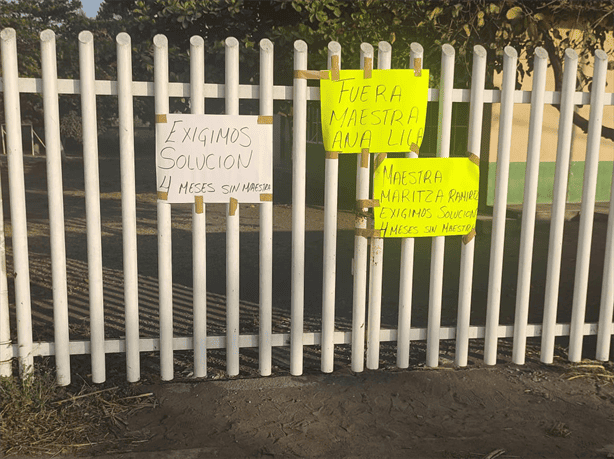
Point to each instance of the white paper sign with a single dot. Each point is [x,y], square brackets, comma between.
[217,157]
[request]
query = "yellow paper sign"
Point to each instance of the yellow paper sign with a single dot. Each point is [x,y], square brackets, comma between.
[426,197]
[385,113]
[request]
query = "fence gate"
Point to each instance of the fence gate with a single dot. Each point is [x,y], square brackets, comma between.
[369,291]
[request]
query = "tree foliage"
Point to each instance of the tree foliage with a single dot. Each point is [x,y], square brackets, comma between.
[523,24]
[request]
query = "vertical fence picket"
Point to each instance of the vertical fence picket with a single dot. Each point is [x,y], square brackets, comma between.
[199,222]
[55,196]
[529,206]
[406,274]
[128,187]
[587,211]
[92,203]
[232,221]
[510,59]
[165,254]
[299,107]
[438,243]
[266,224]
[476,112]
[359,265]
[331,185]
[605,327]
[559,198]
[384,58]
[6,352]
[17,198]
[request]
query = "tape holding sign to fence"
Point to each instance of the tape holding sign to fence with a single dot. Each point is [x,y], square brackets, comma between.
[383,111]
[232,206]
[198,204]
[214,157]
[426,197]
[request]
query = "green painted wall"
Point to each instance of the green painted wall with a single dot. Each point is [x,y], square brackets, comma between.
[545,185]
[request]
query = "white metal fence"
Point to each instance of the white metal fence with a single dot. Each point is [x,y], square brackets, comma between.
[366,333]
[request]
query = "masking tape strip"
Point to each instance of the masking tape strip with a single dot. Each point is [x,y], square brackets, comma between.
[364,158]
[311,74]
[379,159]
[335,65]
[368,67]
[232,207]
[366,203]
[418,67]
[365,232]
[162,195]
[266,197]
[265,120]
[161,118]
[198,204]
[414,148]
[475,159]
[331,155]
[469,236]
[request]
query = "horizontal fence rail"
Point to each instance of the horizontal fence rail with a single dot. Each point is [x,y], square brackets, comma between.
[366,332]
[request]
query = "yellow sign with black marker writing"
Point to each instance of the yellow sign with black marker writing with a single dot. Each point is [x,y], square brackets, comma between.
[426,197]
[385,113]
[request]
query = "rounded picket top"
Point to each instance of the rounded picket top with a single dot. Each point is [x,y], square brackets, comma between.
[231,42]
[300,46]
[510,52]
[480,51]
[334,47]
[570,54]
[86,37]
[123,38]
[8,34]
[384,47]
[266,45]
[47,35]
[416,48]
[448,50]
[197,41]
[160,41]
[600,55]
[366,49]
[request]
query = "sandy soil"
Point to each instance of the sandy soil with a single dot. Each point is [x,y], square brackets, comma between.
[504,411]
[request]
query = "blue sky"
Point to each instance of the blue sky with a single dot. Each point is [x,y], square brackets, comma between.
[91,7]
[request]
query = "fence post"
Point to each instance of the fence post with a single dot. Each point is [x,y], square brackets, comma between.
[129,235]
[583,258]
[165,254]
[476,111]
[438,243]
[360,251]
[55,196]
[17,200]
[199,222]
[557,220]
[529,205]
[92,203]
[416,59]
[232,222]
[510,59]
[299,106]
[604,328]
[266,223]
[384,57]
[331,185]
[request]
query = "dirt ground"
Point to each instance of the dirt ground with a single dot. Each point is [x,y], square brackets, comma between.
[506,411]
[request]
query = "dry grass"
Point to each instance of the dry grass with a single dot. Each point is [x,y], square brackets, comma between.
[592,369]
[38,417]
